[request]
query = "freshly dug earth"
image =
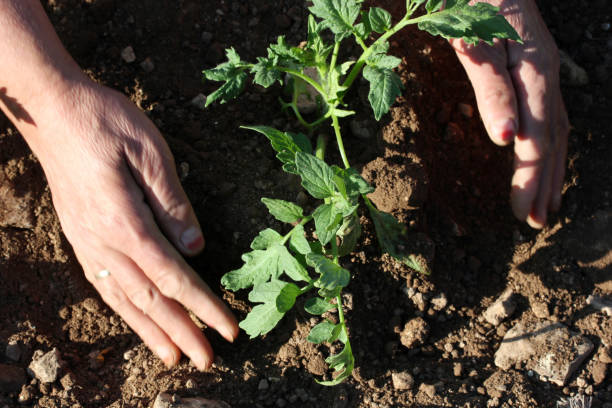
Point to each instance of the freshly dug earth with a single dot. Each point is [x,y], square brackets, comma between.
[433,167]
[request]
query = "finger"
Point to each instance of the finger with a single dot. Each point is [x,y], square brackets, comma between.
[532,142]
[560,162]
[155,172]
[142,241]
[487,70]
[139,293]
[143,326]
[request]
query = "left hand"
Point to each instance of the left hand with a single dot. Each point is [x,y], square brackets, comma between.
[519,98]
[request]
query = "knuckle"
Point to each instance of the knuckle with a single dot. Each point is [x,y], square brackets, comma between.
[171,285]
[144,298]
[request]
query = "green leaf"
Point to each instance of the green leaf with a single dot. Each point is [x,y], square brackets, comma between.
[230,72]
[337,15]
[284,211]
[384,61]
[332,275]
[385,87]
[298,241]
[349,234]
[317,176]
[292,267]
[267,292]
[283,143]
[343,363]
[261,319]
[265,239]
[259,266]
[286,298]
[322,332]
[433,5]
[302,141]
[318,306]
[471,23]
[380,19]
[350,183]
[327,220]
[392,240]
[266,73]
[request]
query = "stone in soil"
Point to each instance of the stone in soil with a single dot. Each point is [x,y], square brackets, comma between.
[13,351]
[402,380]
[602,304]
[165,400]
[128,54]
[550,349]
[415,333]
[11,378]
[15,209]
[46,367]
[501,309]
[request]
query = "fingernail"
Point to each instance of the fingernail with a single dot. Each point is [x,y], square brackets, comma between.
[200,362]
[227,333]
[167,356]
[192,238]
[505,130]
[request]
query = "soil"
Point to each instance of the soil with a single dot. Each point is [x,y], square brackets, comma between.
[433,167]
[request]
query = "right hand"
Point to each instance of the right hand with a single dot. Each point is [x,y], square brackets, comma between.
[120,203]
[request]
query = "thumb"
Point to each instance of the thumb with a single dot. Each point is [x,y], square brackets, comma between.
[173,212]
[487,70]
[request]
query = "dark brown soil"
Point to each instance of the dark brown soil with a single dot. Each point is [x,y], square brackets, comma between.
[457,195]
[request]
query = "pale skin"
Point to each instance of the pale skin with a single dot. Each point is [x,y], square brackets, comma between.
[121,205]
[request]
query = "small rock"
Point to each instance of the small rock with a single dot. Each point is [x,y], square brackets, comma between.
[263,385]
[129,355]
[599,372]
[128,54]
[602,304]
[419,301]
[68,381]
[548,348]
[540,309]
[457,369]
[574,74]
[183,170]
[12,378]
[439,301]
[605,355]
[428,389]
[46,367]
[415,333]
[13,351]
[165,400]
[402,380]
[199,101]
[26,395]
[466,109]
[147,65]
[501,309]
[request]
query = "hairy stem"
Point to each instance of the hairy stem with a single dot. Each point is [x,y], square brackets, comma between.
[336,127]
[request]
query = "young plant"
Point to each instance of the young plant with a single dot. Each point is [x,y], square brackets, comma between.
[282,267]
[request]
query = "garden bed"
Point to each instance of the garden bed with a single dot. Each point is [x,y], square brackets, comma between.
[431,152]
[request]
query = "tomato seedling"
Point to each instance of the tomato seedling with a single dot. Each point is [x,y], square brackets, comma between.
[276,258]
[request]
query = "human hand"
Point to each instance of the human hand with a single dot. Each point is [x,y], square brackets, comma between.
[519,98]
[120,203]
